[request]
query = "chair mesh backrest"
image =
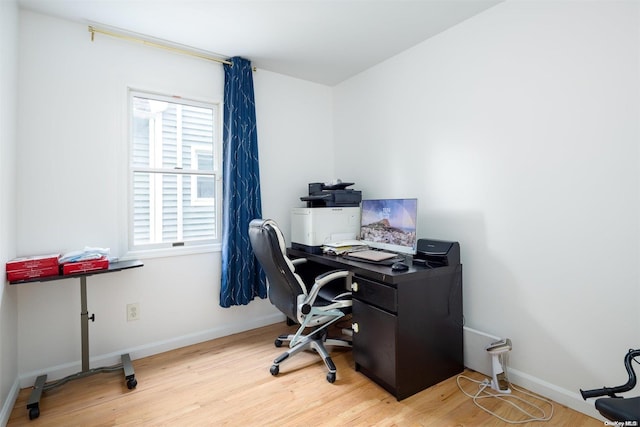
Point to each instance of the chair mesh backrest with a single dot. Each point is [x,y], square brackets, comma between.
[269,248]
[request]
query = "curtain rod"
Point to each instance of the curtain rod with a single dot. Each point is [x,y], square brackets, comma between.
[93,30]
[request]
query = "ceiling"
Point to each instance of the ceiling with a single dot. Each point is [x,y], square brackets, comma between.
[323,41]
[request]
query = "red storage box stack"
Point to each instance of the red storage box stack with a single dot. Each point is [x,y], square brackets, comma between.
[32,267]
[84,266]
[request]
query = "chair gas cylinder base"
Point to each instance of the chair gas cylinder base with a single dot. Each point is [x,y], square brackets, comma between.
[311,342]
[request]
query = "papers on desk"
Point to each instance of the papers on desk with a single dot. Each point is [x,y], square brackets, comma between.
[87,254]
[343,247]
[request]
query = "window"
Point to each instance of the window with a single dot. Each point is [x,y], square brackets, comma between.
[174,172]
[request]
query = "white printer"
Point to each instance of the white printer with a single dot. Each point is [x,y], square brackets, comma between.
[313,227]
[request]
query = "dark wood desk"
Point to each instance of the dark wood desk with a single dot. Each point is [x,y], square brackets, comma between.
[33,404]
[407,326]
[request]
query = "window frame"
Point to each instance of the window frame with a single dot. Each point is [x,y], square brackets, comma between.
[196,149]
[184,247]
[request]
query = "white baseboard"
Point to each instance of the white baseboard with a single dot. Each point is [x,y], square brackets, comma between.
[9,403]
[476,358]
[475,355]
[551,391]
[60,371]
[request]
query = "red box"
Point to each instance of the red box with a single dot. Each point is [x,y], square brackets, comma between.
[33,262]
[32,267]
[84,266]
[32,273]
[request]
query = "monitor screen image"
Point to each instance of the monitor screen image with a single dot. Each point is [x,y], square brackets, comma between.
[390,224]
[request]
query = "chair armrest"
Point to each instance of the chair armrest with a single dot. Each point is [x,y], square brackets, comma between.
[298,261]
[322,280]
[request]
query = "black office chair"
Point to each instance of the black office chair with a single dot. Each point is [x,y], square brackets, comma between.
[317,308]
[617,408]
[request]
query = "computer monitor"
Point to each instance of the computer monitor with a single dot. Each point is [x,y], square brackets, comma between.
[390,224]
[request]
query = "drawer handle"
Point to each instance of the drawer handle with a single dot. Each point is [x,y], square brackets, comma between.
[355,328]
[354,287]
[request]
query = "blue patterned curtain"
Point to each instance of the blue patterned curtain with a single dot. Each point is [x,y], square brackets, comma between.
[242,277]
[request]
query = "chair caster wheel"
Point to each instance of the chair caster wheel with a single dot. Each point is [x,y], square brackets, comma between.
[278,343]
[275,370]
[331,377]
[132,383]
[34,413]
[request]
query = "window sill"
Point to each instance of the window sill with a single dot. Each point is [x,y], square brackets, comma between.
[171,252]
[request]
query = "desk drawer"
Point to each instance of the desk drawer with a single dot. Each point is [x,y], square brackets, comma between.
[378,294]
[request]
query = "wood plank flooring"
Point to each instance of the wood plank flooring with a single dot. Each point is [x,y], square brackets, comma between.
[227,382]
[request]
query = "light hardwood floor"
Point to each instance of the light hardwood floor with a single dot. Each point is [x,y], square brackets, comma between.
[227,382]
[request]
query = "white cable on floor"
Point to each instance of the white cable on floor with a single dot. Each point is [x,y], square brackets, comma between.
[484,394]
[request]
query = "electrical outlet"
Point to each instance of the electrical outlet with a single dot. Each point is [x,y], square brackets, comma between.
[133,311]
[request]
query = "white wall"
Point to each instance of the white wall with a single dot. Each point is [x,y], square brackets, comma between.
[518,131]
[72,192]
[295,125]
[8,299]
